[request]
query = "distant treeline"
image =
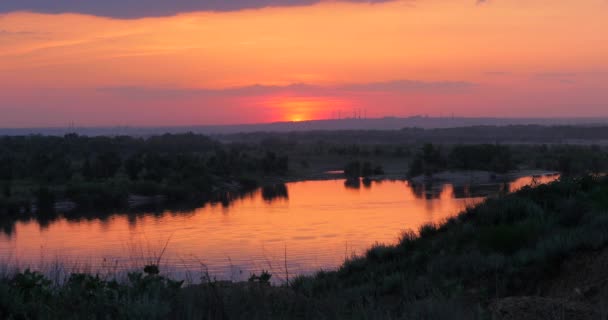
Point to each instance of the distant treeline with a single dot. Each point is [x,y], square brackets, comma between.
[566,159]
[477,134]
[488,157]
[101,172]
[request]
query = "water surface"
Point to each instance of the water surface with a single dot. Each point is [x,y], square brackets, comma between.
[301,227]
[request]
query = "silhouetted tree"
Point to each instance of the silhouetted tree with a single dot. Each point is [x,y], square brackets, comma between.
[271,163]
[134,165]
[366,169]
[489,157]
[565,165]
[378,170]
[45,200]
[107,164]
[353,169]
[427,162]
[7,189]
[6,168]
[87,169]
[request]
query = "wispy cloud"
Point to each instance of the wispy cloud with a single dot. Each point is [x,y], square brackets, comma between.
[397,86]
[497,73]
[409,86]
[17,33]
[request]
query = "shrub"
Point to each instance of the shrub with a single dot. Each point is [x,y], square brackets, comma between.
[381,253]
[427,230]
[506,239]
[263,278]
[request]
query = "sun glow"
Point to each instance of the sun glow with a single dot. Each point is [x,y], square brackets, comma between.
[298,109]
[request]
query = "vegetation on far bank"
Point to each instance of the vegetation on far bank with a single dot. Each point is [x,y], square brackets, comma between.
[101,173]
[566,159]
[512,245]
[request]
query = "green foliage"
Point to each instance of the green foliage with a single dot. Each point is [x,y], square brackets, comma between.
[29,295]
[6,191]
[273,163]
[30,285]
[488,157]
[496,158]
[45,199]
[428,161]
[571,160]
[506,239]
[428,230]
[102,172]
[134,165]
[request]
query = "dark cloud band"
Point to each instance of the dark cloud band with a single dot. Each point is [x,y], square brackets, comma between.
[147,8]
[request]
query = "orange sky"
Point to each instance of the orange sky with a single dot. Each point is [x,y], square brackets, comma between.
[500,58]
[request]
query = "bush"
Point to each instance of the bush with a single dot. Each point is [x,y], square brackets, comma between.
[428,230]
[381,253]
[507,239]
[499,211]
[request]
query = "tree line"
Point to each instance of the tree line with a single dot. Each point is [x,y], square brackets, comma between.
[103,171]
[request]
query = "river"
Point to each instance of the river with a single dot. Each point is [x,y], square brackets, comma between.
[299,227]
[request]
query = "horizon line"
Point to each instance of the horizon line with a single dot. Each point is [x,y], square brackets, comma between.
[73,125]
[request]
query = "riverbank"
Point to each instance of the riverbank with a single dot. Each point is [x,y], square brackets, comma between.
[117,195]
[478,177]
[515,256]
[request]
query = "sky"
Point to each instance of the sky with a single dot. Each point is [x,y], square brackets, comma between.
[199,62]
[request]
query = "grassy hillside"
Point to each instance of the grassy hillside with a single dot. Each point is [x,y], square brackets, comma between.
[515,245]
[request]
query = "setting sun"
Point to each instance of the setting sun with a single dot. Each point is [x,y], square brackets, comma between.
[297,109]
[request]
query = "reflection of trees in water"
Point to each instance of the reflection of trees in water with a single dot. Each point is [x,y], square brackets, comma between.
[355,183]
[45,218]
[429,191]
[7,227]
[367,183]
[275,192]
[352,183]
[271,193]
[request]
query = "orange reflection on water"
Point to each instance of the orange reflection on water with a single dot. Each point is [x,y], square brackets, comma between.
[313,225]
[532,181]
